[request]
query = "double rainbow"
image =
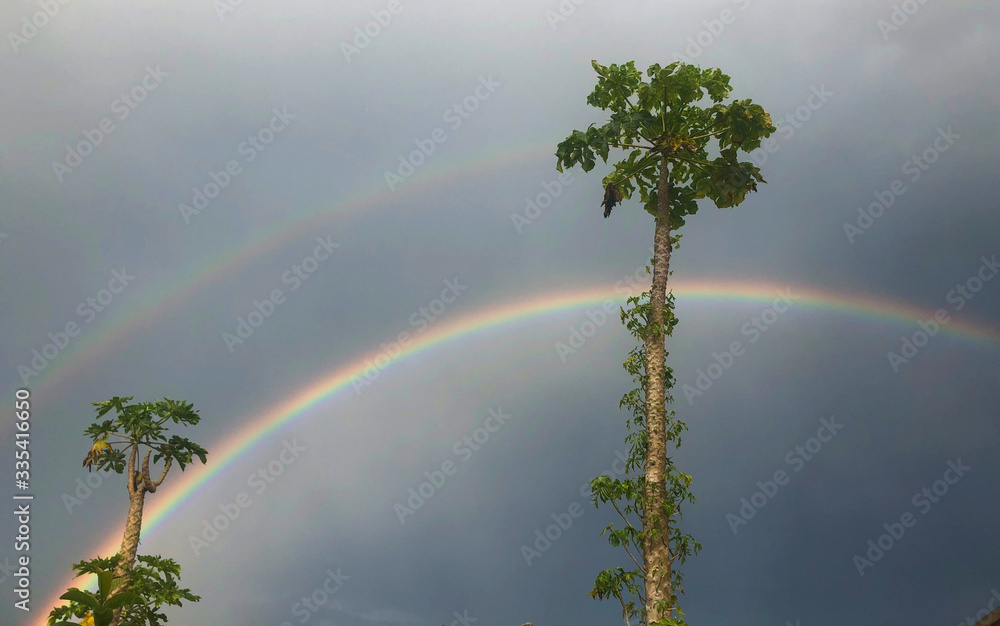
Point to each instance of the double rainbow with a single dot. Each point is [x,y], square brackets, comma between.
[298,403]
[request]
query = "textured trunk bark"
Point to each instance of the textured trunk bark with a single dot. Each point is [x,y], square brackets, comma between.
[133,527]
[656,549]
[130,541]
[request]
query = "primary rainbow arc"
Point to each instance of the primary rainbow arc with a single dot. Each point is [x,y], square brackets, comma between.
[339,379]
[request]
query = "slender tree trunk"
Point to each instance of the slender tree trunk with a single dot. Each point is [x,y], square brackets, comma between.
[656,548]
[130,540]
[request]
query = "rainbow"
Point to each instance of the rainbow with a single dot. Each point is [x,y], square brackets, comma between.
[93,347]
[322,389]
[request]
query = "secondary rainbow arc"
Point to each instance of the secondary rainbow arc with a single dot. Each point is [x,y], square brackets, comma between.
[96,345]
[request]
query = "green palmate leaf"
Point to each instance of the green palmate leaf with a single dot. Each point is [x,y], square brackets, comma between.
[598,142]
[104,584]
[614,85]
[103,617]
[81,597]
[575,151]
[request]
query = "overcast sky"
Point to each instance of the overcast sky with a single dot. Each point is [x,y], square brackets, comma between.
[308,116]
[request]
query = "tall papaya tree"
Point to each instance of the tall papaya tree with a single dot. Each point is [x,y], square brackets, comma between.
[668,129]
[139,429]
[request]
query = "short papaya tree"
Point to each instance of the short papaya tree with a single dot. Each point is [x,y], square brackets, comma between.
[138,429]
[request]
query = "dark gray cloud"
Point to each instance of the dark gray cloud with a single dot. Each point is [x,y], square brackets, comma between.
[330,514]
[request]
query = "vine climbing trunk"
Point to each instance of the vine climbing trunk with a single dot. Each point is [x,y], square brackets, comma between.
[656,538]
